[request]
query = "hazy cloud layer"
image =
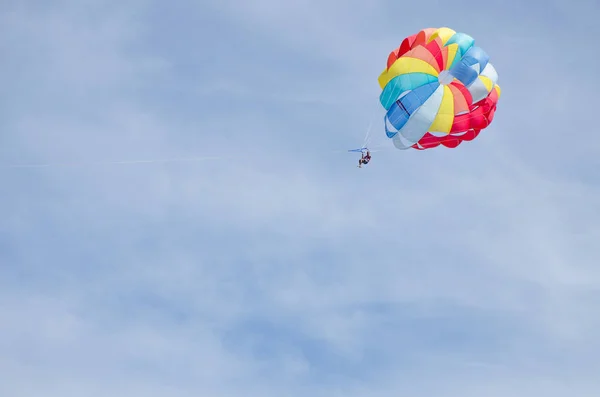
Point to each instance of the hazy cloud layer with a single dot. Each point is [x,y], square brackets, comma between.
[279,268]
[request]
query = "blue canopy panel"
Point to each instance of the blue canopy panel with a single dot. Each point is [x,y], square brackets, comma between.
[470,66]
[401,84]
[403,108]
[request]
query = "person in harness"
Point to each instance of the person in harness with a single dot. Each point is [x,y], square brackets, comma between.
[364,159]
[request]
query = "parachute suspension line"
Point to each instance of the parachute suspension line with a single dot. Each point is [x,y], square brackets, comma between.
[368,142]
[367,139]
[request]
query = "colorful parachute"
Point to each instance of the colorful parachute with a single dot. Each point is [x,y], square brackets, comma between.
[438,88]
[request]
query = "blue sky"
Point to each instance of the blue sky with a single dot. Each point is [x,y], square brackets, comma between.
[279,268]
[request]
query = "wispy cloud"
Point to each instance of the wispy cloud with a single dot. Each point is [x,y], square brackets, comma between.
[280,269]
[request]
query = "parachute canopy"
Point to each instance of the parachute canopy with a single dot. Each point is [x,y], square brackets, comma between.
[438,89]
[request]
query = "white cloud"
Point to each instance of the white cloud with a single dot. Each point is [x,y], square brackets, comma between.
[285,270]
